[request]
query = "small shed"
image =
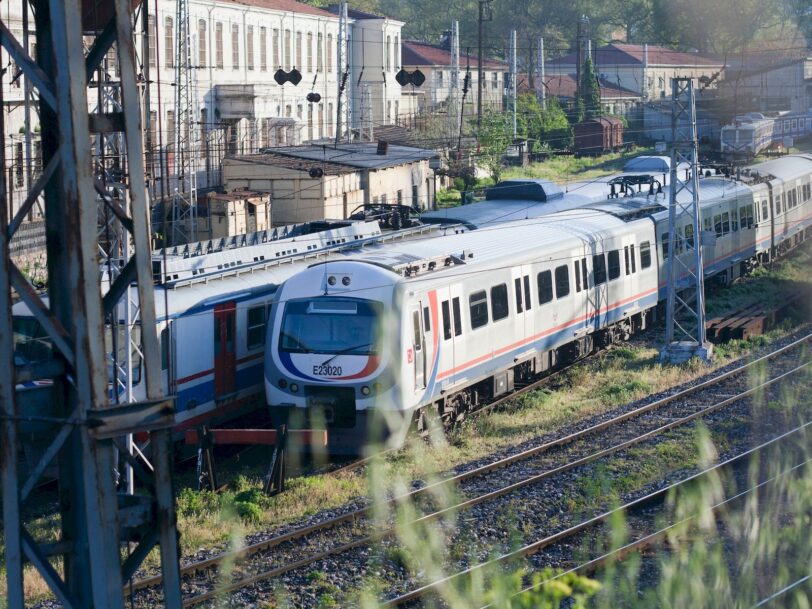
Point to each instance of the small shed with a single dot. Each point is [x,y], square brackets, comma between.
[234,213]
[598,135]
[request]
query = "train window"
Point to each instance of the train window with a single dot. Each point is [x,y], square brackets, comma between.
[426,319]
[765,211]
[598,269]
[583,272]
[517,287]
[478,307]
[614,264]
[455,302]
[626,259]
[734,220]
[545,282]
[746,217]
[634,262]
[706,224]
[664,240]
[577,276]
[689,236]
[255,331]
[499,302]
[717,224]
[725,223]
[645,255]
[446,320]
[527,299]
[416,329]
[562,281]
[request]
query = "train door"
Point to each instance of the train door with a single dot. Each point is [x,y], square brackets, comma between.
[225,348]
[418,347]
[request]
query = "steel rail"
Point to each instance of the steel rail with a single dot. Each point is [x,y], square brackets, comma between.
[469,503]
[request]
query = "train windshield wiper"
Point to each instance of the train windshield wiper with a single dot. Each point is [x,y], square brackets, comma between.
[299,344]
[343,351]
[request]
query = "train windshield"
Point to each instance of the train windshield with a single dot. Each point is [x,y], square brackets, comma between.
[331,325]
[31,343]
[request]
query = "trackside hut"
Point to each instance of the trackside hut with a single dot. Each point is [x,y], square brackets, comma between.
[315,182]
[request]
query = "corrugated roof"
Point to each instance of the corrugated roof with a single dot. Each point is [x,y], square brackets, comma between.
[360,155]
[288,162]
[290,6]
[422,54]
[632,54]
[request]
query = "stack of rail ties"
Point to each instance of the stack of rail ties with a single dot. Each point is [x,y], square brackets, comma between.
[753,320]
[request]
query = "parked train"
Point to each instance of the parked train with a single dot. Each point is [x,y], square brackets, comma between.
[445,323]
[753,133]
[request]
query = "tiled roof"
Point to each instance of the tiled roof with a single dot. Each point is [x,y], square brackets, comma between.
[290,6]
[422,54]
[632,54]
[354,13]
[563,85]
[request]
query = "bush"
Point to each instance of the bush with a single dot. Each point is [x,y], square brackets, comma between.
[249,512]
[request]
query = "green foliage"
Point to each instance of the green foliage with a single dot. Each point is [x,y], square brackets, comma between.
[249,512]
[550,127]
[494,136]
[589,92]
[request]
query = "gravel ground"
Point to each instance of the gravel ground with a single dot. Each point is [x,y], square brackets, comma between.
[484,529]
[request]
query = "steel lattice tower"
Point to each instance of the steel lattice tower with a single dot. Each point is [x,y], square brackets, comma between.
[685,306]
[454,92]
[184,196]
[84,427]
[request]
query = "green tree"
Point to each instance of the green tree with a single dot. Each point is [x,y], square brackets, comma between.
[589,92]
[549,127]
[494,136]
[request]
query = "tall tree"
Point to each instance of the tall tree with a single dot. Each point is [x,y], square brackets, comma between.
[589,92]
[494,136]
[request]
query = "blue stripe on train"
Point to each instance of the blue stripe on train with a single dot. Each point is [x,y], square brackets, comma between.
[202,394]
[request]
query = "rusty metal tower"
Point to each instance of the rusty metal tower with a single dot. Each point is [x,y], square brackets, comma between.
[77,424]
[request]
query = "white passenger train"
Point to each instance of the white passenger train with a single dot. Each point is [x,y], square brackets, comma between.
[444,323]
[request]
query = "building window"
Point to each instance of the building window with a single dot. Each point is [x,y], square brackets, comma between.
[255,330]
[321,121]
[235,46]
[298,60]
[330,53]
[495,81]
[275,44]
[287,50]
[320,54]
[330,129]
[201,43]
[309,51]
[249,47]
[310,121]
[440,78]
[218,45]
[263,49]
[170,128]
[388,53]
[153,42]
[396,52]
[169,43]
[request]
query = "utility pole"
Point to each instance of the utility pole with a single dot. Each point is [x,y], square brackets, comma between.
[513,78]
[583,36]
[342,69]
[484,15]
[541,87]
[84,426]
[685,307]
[184,205]
[453,94]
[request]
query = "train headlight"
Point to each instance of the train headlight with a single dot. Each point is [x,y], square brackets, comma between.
[377,387]
[345,281]
[294,387]
[365,390]
[282,383]
[331,280]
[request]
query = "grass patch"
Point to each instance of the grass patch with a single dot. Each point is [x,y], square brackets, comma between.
[564,169]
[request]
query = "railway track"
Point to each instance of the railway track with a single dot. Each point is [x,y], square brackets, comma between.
[640,504]
[671,411]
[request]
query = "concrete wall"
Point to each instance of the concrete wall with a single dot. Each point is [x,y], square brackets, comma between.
[782,88]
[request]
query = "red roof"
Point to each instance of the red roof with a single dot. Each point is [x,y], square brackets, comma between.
[563,85]
[632,54]
[290,6]
[421,54]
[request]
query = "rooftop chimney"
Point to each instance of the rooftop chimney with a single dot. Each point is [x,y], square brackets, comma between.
[383,148]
